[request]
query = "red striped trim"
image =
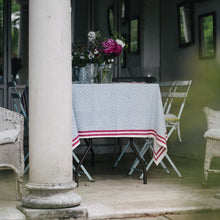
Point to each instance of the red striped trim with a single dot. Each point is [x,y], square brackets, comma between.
[114,131]
[83,134]
[156,153]
[157,157]
[75,138]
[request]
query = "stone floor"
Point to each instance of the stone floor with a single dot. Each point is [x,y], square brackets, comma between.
[115,195]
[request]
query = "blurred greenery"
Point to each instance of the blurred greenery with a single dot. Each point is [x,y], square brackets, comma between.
[15,9]
[15,22]
[134,35]
[208,42]
[204,91]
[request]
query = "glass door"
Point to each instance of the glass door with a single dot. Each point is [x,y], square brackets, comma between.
[10,60]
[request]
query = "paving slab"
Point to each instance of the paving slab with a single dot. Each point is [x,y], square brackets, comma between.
[116,195]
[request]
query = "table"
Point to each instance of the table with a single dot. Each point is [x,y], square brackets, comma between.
[116,110]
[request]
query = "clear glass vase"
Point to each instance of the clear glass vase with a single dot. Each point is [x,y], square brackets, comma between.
[88,73]
[91,71]
[82,76]
[106,72]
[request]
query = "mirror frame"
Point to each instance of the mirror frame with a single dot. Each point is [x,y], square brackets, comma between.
[202,46]
[188,3]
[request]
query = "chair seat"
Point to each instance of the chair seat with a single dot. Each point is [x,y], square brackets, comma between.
[213,134]
[9,136]
[171,117]
[11,148]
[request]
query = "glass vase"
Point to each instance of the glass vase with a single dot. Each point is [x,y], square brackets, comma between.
[106,72]
[82,75]
[92,71]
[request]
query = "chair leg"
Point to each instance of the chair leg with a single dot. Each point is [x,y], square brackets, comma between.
[171,131]
[149,165]
[207,163]
[27,166]
[142,153]
[82,167]
[178,131]
[164,166]
[173,165]
[122,153]
[19,187]
[144,149]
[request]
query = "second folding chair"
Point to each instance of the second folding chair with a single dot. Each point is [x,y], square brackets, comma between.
[174,99]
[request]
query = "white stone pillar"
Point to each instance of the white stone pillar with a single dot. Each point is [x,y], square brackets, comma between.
[50,112]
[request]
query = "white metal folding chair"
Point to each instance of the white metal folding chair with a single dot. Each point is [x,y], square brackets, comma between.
[168,87]
[173,101]
[20,103]
[17,101]
[174,111]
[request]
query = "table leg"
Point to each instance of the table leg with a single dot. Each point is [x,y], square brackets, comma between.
[89,145]
[92,151]
[141,161]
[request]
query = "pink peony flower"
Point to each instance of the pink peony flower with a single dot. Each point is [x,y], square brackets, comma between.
[118,50]
[110,46]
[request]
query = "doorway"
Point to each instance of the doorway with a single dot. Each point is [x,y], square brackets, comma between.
[11,63]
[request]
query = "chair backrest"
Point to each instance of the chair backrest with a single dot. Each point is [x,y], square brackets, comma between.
[175,97]
[166,88]
[17,101]
[212,117]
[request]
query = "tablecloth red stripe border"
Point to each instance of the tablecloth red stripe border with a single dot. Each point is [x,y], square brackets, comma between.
[122,133]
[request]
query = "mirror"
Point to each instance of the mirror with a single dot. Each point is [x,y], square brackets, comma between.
[124,11]
[185,23]
[134,36]
[124,54]
[110,19]
[207,35]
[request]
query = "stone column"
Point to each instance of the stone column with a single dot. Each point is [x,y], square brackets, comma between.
[50,111]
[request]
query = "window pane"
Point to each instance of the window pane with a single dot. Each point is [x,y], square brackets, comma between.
[1,41]
[208,35]
[134,35]
[15,26]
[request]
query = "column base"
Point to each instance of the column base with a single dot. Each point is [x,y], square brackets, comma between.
[75,213]
[51,196]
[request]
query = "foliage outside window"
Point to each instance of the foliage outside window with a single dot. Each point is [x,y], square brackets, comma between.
[15,25]
[207,36]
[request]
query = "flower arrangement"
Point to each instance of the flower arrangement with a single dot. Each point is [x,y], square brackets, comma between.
[99,50]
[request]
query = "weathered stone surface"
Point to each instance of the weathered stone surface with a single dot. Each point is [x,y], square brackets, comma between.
[217,195]
[51,196]
[78,212]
